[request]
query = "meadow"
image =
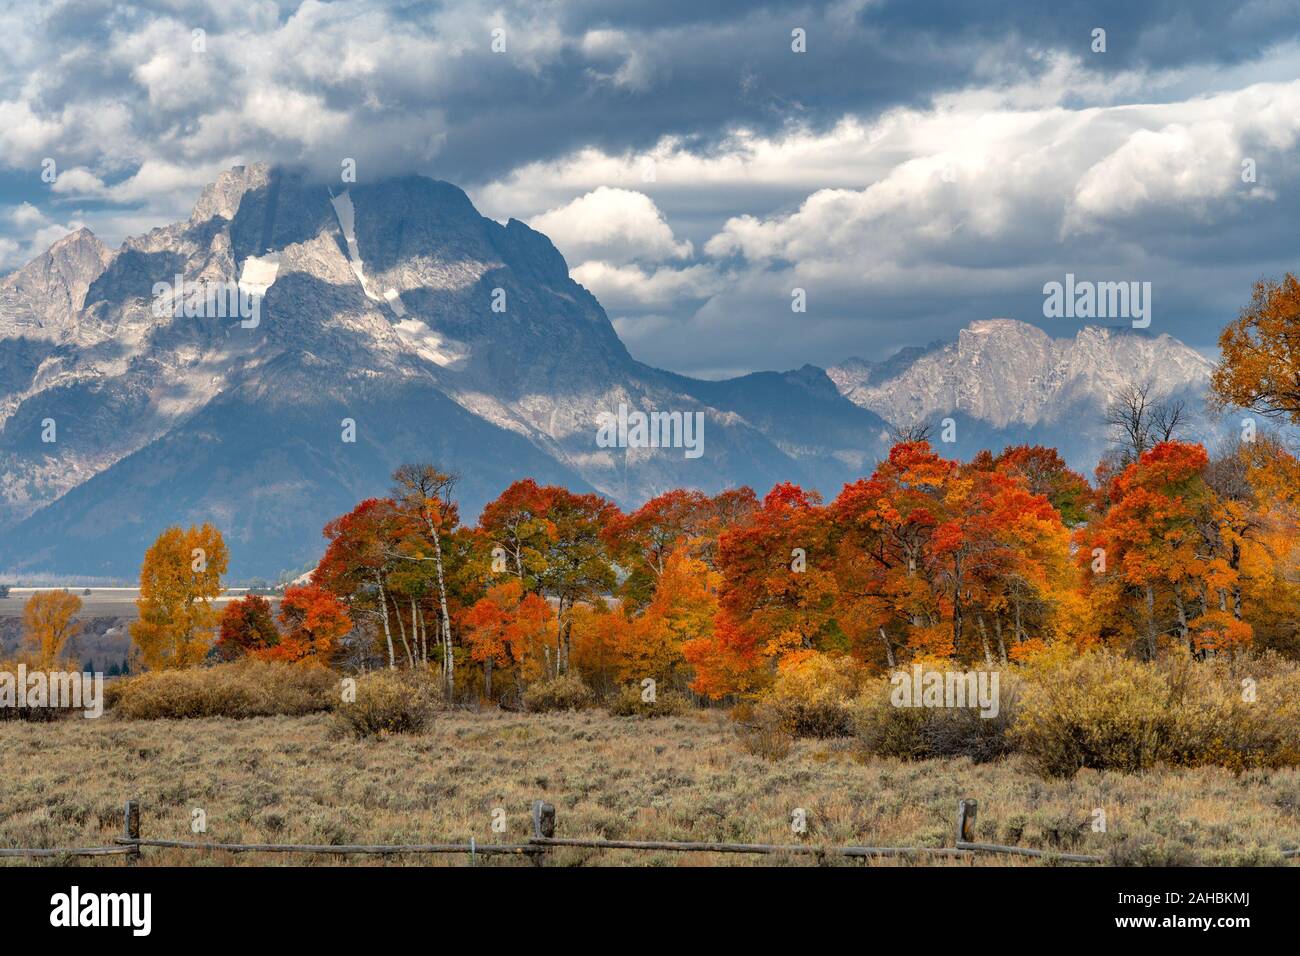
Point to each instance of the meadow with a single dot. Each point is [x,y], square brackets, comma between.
[297,780]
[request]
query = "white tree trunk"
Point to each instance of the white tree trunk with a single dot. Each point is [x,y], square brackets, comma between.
[388,634]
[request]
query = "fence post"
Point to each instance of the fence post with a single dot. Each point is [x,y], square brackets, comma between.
[131,829]
[543,825]
[966,810]
[543,819]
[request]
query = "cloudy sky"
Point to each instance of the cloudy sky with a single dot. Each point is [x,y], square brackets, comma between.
[918,166]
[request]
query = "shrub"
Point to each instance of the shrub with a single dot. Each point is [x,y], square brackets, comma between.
[1211,720]
[1097,710]
[32,714]
[888,731]
[1108,712]
[762,731]
[627,702]
[389,702]
[566,692]
[246,688]
[811,695]
[918,733]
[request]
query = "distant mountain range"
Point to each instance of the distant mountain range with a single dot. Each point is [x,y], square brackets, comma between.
[1005,382]
[444,336]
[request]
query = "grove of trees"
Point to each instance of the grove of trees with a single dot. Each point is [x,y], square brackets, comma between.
[1171,545]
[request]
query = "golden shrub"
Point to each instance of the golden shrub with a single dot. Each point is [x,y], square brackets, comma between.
[566,692]
[812,693]
[389,702]
[627,702]
[1104,711]
[245,688]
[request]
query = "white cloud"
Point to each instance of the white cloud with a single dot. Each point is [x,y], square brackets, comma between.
[964,180]
[78,181]
[26,216]
[611,225]
[631,287]
[1195,156]
[976,197]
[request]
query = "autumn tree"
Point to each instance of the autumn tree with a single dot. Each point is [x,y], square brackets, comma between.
[314,621]
[1045,473]
[776,594]
[426,491]
[1258,486]
[246,625]
[357,563]
[49,623]
[179,580]
[684,608]
[642,542]
[1020,577]
[553,541]
[1259,368]
[1160,557]
[885,526]
[577,565]
[507,631]
[518,532]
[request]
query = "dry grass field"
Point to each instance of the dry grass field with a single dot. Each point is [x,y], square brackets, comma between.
[294,780]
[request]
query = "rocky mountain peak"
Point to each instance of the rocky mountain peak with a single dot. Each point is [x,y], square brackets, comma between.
[222,197]
[43,297]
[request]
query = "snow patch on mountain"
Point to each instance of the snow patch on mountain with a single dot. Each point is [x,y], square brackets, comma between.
[259,274]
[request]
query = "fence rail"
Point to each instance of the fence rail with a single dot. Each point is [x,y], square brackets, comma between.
[543,840]
[339,848]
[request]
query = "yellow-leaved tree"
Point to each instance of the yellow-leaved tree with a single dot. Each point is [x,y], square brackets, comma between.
[179,579]
[49,622]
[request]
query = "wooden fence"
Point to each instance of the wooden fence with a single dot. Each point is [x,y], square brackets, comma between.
[543,840]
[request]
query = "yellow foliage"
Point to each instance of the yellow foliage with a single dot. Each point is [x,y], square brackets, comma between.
[1105,711]
[179,579]
[49,622]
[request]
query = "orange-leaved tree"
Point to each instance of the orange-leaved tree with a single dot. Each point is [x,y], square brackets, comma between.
[683,609]
[314,622]
[507,631]
[246,625]
[1157,563]
[776,594]
[358,561]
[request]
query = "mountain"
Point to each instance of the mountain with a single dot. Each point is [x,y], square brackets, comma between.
[1006,382]
[438,333]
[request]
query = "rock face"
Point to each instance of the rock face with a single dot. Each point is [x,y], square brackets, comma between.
[1008,382]
[439,334]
